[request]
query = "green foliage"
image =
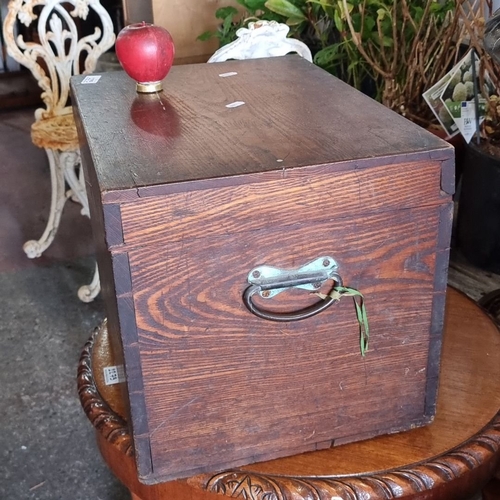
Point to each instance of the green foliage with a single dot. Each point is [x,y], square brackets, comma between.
[394,38]
[361,41]
[291,12]
[316,22]
[227,29]
[232,21]
[252,6]
[380,22]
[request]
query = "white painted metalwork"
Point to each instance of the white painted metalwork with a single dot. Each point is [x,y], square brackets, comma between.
[261,39]
[57,53]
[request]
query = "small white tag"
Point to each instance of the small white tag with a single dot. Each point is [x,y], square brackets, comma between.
[91,79]
[467,120]
[235,104]
[114,375]
[225,75]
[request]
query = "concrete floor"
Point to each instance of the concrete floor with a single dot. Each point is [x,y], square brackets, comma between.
[47,449]
[47,446]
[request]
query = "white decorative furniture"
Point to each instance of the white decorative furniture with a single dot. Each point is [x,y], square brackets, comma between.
[261,39]
[56,53]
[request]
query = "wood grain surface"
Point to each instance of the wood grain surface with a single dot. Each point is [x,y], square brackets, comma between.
[282,388]
[295,114]
[189,195]
[452,458]
[306,196]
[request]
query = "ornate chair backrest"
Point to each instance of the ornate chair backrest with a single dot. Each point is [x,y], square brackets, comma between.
[58,52]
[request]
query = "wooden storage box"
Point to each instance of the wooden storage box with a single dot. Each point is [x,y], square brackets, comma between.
[191,196]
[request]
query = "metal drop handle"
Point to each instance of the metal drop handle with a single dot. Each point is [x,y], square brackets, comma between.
[268,281]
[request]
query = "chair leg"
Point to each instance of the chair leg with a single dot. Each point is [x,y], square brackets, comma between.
[73,174]
[35,248]
[87,293]
[64,168]
[74,197]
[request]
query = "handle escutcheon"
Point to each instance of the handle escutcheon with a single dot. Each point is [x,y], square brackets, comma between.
[268,281]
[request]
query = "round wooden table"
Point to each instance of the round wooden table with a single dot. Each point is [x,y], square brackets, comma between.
[453,458]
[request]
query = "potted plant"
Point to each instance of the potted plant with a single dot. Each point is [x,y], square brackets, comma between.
[408,45]
[313,22]
[392,50]
[478,220]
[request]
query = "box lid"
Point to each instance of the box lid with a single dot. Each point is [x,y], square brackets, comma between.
[234,118]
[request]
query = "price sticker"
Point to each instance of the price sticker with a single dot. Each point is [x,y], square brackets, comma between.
[114,375]
[91,79]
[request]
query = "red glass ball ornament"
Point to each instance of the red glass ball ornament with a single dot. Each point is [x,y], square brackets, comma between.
[146,53]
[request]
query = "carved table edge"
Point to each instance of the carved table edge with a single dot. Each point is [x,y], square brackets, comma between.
[391,483]
[398,482]
[113,427]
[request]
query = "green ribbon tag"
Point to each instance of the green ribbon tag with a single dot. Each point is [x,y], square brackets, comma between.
[359,303]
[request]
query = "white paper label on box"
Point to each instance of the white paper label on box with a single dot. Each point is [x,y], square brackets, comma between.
[91,79]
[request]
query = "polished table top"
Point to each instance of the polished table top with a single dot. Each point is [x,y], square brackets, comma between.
[451,458]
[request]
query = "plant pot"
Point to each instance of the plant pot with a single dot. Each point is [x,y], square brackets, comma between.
[458,142]
[478,221]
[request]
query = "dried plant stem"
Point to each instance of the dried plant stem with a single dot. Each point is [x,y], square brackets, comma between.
[414,62]
[357,41]
[475,32]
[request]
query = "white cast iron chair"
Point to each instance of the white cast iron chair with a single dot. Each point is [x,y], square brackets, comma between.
[261,39]
[56,53]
